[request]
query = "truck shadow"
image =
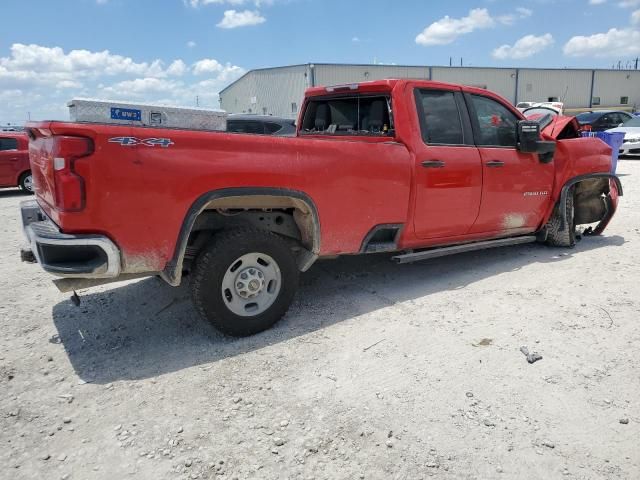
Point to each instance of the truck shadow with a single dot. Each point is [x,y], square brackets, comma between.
[14,192]
[147,328]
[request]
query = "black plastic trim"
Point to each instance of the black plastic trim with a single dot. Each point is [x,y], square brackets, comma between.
[384,226]
[172,272]
[578,179]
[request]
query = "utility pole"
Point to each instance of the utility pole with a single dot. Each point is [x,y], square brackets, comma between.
[197,101]
[636,63]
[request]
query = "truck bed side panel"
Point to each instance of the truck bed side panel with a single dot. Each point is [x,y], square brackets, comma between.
[139,194]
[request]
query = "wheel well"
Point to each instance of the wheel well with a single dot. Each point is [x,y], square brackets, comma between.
[590,192]
[22,174]
[292,216]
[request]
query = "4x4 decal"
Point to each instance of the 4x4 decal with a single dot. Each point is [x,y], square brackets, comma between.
[149,142]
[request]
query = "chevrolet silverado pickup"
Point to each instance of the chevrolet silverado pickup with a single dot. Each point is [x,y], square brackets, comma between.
[419,168]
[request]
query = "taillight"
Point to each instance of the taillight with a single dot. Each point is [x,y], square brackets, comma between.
[69,186]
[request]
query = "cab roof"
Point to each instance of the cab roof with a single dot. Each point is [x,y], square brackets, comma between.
[378,86]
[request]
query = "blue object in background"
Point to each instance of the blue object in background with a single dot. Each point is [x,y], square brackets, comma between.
[614,140]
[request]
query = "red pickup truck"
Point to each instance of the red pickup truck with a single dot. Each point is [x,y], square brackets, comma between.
[15,170]
[420,168]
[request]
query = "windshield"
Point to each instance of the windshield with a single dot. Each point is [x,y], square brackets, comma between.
[632,122]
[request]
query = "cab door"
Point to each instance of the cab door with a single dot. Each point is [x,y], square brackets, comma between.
[9,156]
[448,171]
[516,186]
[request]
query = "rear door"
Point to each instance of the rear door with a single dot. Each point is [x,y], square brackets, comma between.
[516,186]
[9,157]
[448,172]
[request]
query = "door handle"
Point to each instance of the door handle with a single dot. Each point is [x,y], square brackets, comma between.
[495,164]
[433,164]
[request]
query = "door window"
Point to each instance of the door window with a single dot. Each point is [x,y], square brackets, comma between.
[440,119]
[495,124]
[8,144]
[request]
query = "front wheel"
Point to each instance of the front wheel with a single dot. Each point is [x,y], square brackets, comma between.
[244,281]
[26,182]
[566,237]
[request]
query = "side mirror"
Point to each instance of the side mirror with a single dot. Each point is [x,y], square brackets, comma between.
[529,141]
[528,136]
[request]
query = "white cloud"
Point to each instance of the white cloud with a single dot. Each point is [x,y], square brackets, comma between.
[235,19]
[597,2]
[447,29]
[206,65]
[635,18]
[191,44]
[237,3]
[48,77]
[629,3]
[511,18]
[523,48]
[524,12]
[355,39]
[177,68]
[614,43]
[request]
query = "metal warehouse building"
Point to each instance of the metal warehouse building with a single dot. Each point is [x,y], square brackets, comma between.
[279,90]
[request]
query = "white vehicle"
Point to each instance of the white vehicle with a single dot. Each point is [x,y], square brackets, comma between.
[631,130]
[522,106]
[557,106]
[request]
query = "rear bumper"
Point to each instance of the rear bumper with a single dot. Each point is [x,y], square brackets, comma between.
[65,255]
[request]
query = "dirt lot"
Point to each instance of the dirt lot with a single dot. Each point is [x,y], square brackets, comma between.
[378,371]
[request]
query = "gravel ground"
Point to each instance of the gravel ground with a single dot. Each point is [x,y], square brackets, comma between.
[378,371]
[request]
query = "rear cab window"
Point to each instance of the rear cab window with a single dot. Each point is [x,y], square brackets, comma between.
[363,115]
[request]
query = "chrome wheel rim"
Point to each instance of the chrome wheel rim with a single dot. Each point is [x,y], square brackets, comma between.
[28,183]
[251,284]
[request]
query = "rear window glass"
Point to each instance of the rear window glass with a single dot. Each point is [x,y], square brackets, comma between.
[8,144]
[272,127]
[245,126]
[348,116]
[588,117]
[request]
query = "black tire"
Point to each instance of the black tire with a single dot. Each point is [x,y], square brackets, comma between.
[26,182]
[567,237]
[218,257]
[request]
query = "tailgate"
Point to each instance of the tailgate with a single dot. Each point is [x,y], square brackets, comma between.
[41,158]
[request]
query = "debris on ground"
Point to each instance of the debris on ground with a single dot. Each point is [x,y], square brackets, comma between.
[531,357]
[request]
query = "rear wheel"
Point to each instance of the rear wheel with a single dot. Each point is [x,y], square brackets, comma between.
[26,182]
[566,237]
[244,281]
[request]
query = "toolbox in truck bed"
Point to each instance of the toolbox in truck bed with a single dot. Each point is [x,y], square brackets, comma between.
[127,113]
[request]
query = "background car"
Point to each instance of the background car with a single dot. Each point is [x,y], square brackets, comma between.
[524,105]
[601,120]
[631,130]
[15,170]
[261,124]
[557,106]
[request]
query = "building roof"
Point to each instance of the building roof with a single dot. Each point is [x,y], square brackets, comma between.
[374,65]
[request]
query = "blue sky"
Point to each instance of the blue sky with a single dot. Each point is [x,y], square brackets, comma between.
[174,50]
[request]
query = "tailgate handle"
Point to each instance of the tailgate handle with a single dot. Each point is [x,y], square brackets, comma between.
[433,164]
[495,163]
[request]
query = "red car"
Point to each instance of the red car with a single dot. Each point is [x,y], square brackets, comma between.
[15,170]
[420,168]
